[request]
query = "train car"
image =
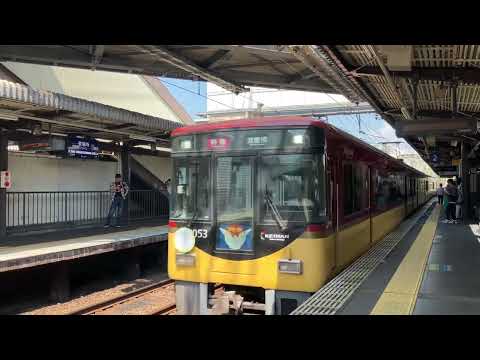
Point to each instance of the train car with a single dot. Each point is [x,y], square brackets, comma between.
[274,207]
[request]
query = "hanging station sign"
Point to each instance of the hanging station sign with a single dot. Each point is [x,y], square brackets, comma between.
[82,147]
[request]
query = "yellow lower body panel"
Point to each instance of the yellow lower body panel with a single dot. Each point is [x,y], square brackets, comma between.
[317,255]
[386,222]
[321,258]
[352,242]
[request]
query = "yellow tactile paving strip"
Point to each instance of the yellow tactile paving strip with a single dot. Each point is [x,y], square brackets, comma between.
[401,292]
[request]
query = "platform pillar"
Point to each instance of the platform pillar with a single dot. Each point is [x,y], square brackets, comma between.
[133,263]
[60,283]
[191,298]
[163,256]
[125,162]
[3,192]
[464,171]
[269,302]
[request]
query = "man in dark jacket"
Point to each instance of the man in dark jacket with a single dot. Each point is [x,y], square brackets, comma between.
[119,190]
[452,194]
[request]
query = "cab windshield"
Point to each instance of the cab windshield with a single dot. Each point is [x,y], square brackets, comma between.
[190,198]
[234,188]
[292,188]
[284,189]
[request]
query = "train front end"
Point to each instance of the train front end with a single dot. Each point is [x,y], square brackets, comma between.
[248,209]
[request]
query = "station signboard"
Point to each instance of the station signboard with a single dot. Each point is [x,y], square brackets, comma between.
[82,147]
[434,158]
[446,170]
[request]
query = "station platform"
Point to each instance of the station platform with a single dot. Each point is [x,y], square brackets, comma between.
[425,267]
[19,252]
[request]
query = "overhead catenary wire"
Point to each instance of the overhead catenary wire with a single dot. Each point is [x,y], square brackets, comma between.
[371,136]
[216,101]
[358,119]
[193,92]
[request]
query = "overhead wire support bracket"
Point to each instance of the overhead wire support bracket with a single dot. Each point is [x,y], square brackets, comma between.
[454,98]
[165,55]
[415,98]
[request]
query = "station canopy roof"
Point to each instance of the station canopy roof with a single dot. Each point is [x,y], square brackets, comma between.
[230,66]
[23,107]
[429,93]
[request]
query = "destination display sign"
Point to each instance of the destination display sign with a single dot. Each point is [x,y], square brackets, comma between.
[82,147]
[251,139]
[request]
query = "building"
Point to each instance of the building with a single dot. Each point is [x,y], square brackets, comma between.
[142,94]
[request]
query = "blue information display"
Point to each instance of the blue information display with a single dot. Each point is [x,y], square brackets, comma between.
[82,147]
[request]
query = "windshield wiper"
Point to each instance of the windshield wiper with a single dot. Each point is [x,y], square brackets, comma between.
[194,217]
[275,212]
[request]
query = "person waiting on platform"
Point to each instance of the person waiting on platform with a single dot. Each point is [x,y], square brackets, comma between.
[459,202]
[168,186]
[452,194]
[119,190]
[440,194]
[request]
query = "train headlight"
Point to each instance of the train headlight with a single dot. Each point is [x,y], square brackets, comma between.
[186,144]
[184,240]
[290,266]
[297,139]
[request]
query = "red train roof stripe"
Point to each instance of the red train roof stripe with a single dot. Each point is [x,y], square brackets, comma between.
[248,123]
[273,121]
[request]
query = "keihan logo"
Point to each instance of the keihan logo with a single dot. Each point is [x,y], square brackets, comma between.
[274,237]
[235,236]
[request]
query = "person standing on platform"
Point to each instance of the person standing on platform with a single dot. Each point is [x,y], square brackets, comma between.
[459,202]
[119,190]
[440,194]
[452,194]
[168,185]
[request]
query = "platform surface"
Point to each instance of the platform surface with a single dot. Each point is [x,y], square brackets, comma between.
[449,281]
[376,291]
[34,250]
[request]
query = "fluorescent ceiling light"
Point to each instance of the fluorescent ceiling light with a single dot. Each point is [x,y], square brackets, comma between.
[8,117]
[143,138]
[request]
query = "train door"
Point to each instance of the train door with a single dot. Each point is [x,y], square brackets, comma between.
[371,193]
[331,193]
[332,198]
[408,201]
[417,185]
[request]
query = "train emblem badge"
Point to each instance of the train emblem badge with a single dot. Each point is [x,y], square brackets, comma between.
[235,237]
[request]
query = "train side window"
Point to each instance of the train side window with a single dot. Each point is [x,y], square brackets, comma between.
[389,190]
[321,180]
[354,189]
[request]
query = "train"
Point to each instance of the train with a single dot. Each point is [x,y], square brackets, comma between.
[274,207]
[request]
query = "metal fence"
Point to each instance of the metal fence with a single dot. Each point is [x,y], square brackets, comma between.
[40,209]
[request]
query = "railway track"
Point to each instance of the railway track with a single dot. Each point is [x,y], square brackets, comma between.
[155,299]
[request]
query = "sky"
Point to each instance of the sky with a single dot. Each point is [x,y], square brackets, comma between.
[189,94]
[373,129]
